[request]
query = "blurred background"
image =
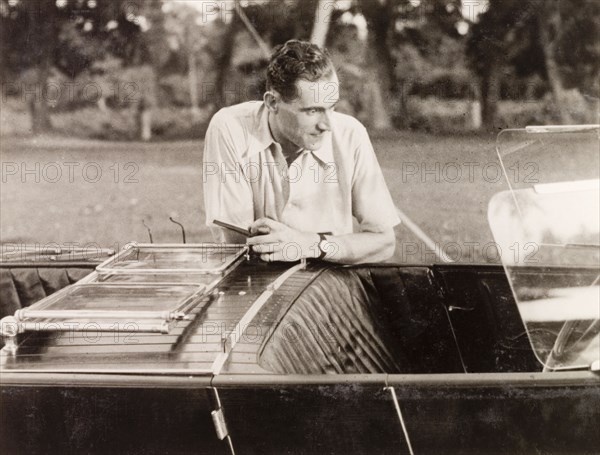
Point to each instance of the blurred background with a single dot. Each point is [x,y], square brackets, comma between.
[142,69]
[130,86]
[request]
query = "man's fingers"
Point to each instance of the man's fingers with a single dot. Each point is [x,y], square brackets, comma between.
[266,248]
[260,239]
[271,257]
[266,222]
[260,230]
[262,226]
[267,257]
[276,256]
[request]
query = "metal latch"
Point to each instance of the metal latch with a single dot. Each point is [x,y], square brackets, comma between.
[219,421]
[459,308]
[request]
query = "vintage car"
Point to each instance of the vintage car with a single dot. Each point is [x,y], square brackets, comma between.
[203,348]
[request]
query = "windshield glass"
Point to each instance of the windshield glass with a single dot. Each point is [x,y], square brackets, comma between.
[547,230]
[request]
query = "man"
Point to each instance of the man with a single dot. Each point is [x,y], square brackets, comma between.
[295,171]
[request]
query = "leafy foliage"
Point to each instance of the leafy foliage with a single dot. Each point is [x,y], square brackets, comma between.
[80,33]
[169,53]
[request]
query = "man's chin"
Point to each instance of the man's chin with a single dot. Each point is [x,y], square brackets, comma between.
[314,145]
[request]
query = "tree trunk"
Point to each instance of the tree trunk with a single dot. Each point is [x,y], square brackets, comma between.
[224,63]
[490,95]
[377,88]
[380,66]
[40,114]
[41,16]
[193,81]
[144,121]
[321,23]
[379,116]
[550,25]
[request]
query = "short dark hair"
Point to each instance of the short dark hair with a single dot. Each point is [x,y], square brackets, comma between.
[293,61]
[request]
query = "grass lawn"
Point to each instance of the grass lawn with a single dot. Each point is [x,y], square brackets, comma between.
[76,191]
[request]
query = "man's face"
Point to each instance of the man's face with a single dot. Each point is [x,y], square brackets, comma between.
[304,120]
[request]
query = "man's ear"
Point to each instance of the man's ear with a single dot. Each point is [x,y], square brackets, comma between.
[270,99]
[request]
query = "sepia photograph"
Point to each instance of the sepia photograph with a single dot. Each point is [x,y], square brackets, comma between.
[300,227]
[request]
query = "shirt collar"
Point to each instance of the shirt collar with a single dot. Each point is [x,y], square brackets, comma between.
[263,138]
[325,153]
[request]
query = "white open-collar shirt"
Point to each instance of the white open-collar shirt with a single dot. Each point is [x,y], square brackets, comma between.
[243,178]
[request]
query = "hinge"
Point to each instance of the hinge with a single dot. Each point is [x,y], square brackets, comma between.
[219,421]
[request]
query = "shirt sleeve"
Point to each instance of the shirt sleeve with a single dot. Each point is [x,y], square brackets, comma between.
[227,193]
[372,204]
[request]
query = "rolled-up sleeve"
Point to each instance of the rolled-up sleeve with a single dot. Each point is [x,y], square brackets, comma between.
[227,193]
[372,204]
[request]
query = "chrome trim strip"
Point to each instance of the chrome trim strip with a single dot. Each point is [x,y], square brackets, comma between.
[230,340]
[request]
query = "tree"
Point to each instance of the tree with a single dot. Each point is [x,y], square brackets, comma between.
[69,35]
[495,40]
[550,28]
[569,34]
[253,31]
[320,29]
[559,41]
[39,18]
[152,56]
[379,16]
[186,25]
[401,28]
[578,51]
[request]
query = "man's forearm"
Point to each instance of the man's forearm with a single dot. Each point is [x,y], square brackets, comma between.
[275,241]
[361,247]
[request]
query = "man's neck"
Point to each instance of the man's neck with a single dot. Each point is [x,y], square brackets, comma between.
[289,149]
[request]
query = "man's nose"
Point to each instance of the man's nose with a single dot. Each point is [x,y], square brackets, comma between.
[324,122]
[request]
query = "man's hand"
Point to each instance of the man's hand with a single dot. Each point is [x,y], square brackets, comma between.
[275,241]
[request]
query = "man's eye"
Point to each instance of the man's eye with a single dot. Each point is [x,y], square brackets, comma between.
[311,111]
